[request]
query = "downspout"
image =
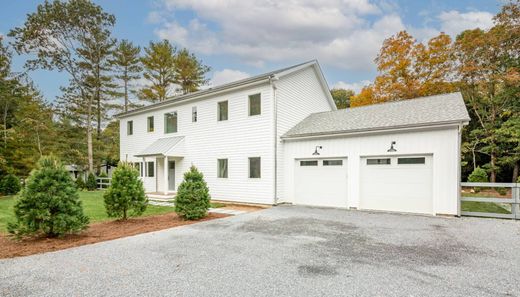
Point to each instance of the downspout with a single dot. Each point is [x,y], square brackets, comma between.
[272,80]
[459,169]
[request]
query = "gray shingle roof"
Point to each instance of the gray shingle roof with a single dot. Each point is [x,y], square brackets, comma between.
[160,146]
[438,109]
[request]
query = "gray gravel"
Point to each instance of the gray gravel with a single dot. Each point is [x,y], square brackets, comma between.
[286,251]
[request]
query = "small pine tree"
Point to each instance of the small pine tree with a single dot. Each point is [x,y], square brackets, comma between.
[193,199]
[126,193]
[10,185]
[478,175]
[80,183]
[49,203]
[91,182]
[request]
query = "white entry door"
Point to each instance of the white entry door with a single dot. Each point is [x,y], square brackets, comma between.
[321,182]
[402,184]
[171,176]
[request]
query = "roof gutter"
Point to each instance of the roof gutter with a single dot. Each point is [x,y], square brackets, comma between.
[376,130]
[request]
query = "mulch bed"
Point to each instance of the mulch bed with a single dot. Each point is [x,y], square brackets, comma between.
[97,232]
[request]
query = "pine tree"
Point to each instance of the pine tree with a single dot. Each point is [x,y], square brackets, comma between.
[128,68]
[159,70]
[91,182]
[193,200]
[125,196]
[189,72]
[10,185]
[49,203]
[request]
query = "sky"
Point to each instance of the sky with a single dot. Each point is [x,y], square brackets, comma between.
[241,38]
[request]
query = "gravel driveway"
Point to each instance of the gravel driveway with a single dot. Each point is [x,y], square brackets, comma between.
[286,251]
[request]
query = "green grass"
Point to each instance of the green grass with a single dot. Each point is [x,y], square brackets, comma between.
[483,207]
[93,206]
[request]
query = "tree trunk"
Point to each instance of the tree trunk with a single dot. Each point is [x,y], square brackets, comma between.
[126,89]
[5,123]
[493,176]
[516,169]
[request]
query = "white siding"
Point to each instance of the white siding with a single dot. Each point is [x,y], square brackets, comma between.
[236,139]
[442,144]
[298,95]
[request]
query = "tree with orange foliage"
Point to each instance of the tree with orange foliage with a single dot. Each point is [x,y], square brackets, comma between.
[409,69]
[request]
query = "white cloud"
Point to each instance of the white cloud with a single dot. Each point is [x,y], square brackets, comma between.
[333,31]
[345,34]
[356,86]
[226,76]
[453,22]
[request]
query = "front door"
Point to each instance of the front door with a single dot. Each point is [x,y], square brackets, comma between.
[171,175]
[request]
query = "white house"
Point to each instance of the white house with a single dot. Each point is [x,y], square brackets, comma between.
[278,137]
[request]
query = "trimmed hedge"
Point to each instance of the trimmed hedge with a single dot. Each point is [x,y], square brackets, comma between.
[193,199]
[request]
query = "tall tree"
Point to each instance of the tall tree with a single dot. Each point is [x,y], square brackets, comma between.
[488,71]
[54,35]
[190,73]
[95,55]
[409,69]
[159,69]
[128,68]
[341,97]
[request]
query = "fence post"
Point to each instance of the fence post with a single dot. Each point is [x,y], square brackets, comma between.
[515,207]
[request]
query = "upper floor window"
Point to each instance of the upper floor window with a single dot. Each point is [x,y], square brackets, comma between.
[150,124]
[255,104]
[222,112]
[254,167]
[170,122]
[129,127]
[194,114]
[222,168]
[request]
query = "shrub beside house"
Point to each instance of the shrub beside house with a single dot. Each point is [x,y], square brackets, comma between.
[193,200]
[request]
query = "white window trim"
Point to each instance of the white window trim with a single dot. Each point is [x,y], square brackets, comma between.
[249,168]
[218,111]
[166,125]
[249,105]
[218,168]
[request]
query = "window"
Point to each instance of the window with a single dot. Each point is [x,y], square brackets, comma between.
[222,111]
[170,122]
[254,167]
[308,163]
[332,162]
[255,104]
[419,160]
[385,161]
[222,168]
[194,114]
[129,127]
[150,124]
[150,169]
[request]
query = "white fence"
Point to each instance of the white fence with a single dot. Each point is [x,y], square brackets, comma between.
[103,182]
[512,199]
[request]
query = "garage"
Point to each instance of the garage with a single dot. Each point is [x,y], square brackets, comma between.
[321,182]
[397,183]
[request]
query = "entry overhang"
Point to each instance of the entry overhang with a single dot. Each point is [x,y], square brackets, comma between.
[165,147]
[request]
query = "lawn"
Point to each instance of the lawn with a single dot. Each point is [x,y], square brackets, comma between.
[485,206]
[92,205]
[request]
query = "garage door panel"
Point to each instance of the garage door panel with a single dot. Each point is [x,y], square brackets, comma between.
[321,185]
[396,187]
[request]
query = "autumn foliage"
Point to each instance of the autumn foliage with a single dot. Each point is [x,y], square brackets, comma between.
[409,69]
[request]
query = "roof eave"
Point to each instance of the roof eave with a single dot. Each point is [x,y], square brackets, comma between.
[374,130]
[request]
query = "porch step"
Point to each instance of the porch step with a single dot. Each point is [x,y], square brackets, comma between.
[160,197]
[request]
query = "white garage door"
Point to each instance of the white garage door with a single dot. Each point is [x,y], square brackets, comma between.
[401,184]
[321,182]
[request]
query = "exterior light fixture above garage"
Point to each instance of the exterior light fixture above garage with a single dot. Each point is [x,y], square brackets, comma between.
[392,149]
[316,153]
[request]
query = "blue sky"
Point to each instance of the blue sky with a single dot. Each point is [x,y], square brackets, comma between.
[239,38]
